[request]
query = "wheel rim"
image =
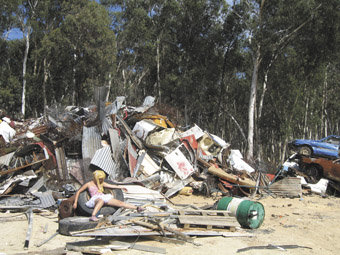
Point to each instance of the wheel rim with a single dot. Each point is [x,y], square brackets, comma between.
[305,151]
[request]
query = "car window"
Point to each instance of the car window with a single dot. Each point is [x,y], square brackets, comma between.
[332,140]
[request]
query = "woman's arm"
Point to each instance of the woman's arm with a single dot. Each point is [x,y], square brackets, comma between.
[112,186]
[82,188]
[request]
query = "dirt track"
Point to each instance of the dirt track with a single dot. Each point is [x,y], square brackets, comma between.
[311,221]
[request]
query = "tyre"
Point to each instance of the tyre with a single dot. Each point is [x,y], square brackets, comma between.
[305,151]
[71,224]
[314,174]
[105,210]
[65,209]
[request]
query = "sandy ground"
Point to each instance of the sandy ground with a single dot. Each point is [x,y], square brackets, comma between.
[310,221]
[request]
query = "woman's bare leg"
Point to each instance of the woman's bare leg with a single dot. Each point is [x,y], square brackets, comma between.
[99,204]
[118,203]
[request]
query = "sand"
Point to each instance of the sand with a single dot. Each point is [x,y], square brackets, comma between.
[310,221]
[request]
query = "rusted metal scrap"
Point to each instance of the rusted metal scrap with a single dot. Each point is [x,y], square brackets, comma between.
[124,141]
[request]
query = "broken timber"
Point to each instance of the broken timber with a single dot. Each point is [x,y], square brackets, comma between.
[35,161]
[230,177]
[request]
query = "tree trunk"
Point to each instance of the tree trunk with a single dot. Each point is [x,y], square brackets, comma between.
[258,130]
[305,128]
[46,70]
[324,102]
[222,90]
[74,78]
[24,66]
[158,75]
[109,85]
[252,105]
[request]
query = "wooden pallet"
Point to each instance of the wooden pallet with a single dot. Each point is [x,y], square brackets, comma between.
[208,219]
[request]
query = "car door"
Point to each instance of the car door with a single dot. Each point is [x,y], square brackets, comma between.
[327,146]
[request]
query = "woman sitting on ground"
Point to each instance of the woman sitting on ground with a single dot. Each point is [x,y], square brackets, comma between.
[98,198]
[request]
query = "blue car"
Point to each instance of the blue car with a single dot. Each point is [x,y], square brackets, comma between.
[327,147]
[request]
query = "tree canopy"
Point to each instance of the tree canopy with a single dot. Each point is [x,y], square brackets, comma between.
[257,73]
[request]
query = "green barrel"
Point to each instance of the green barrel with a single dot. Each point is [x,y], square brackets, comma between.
[248,213]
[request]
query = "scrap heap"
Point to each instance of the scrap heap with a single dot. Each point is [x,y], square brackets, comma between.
[128,143]
[44,161]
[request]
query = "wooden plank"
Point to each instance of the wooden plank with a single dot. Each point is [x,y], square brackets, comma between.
[210,220]
[207,212]
[230,177]
[21,167]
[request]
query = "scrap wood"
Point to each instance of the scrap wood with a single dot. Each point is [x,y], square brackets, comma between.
[208,218]
[161,227]
[230,177]
[272,246]
[134,138]
[122,231]
[203,212]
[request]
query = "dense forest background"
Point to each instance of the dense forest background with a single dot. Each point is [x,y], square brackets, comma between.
[256,73]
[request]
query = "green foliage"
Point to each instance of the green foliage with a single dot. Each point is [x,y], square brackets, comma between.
[194,55]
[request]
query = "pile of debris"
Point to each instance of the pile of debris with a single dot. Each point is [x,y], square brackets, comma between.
[44,161]
[136,144]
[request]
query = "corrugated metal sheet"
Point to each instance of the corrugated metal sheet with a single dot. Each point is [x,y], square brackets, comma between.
[115,145]
[37,185]
[106,126]
[103,159]
[91,141]
[115,106]
[100,94]
[46,199]
[5,160]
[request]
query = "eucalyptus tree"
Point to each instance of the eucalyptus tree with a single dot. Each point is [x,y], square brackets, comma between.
[8,20]
[319,46]
[168,48]
[83,50]
[10,57]
[270,26]
[136,45]
[48,18]
[26,13]
[298,33]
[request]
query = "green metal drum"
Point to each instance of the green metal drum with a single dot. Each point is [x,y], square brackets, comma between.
[248,213]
